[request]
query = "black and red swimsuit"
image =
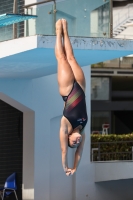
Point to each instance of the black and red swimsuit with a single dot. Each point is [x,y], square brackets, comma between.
[75,107]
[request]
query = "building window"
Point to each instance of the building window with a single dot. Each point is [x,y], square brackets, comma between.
[99,88]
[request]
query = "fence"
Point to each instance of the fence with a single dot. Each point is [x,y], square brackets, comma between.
[112,151]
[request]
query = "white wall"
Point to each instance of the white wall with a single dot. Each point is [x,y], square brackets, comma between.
[115,170]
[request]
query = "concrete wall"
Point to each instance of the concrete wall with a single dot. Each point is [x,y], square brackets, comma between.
[113,170]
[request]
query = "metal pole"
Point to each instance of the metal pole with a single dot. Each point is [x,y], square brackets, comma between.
[15,25]
[54,12]
[27,24]
[111,19]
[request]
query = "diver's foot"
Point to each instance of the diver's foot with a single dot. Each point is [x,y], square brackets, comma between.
[59,27]
[64,24]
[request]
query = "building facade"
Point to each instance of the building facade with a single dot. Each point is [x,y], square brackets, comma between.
[28,82]
[111,88]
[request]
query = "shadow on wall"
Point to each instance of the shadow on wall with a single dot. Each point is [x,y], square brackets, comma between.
[61,186]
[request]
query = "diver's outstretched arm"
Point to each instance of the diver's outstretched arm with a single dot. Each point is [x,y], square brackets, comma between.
[64,148]
[78,154]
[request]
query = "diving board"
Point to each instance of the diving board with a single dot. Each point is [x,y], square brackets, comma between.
[10,18]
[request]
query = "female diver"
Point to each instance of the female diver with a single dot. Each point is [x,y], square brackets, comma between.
[71,82]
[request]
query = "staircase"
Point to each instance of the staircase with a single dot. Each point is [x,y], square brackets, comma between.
[122,26]
[124,17]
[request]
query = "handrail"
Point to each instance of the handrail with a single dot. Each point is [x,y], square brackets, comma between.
[111,142]
[108,154]
[34,4]
[121,17]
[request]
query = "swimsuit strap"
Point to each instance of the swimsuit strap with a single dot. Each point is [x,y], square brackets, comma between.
[64,98]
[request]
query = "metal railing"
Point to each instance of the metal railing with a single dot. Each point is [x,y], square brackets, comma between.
[125,36]
[119,63]
[112,151]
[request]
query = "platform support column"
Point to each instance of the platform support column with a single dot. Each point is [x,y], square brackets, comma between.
[15,25]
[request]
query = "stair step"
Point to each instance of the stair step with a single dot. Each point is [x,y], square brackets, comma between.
[117,32]
[122,27]
[129,21]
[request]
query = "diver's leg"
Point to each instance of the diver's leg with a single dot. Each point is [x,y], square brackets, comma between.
[65,73]
[77,71]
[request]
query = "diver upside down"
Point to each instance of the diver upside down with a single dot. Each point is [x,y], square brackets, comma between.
[71,81]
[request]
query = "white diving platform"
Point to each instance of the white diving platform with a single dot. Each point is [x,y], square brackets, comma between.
[33,56]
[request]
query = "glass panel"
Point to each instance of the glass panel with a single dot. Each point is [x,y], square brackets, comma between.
[98,121]
[45,20]
[84,18]
[79,14]
[99,88]
[100,21]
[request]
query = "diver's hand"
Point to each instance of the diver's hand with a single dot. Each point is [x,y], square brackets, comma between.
[68,172]
[73,171]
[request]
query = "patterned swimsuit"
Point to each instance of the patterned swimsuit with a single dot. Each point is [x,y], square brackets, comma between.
[75,107]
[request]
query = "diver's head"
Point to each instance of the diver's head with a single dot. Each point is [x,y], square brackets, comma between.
[74,138]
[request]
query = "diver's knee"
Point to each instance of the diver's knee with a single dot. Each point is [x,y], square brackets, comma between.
[61,57]
[70,58]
